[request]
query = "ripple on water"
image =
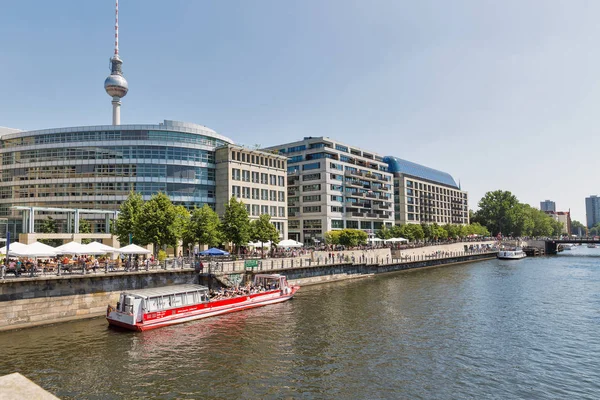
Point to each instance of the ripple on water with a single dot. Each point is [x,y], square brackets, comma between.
[485,330]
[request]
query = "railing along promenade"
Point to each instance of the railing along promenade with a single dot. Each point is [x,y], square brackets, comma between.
[221,266]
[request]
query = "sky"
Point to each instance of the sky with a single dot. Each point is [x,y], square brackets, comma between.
[503,95]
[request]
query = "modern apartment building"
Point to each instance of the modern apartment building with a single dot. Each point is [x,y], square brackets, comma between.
[426,195]
[592,210]
[548,205]
[257,178]
[334,186]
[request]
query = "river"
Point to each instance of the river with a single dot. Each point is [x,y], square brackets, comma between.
[499,329]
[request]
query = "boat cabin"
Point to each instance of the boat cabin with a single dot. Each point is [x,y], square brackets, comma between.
[271,282]
[142,301]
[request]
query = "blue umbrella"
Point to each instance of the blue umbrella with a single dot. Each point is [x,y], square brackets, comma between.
[214,252]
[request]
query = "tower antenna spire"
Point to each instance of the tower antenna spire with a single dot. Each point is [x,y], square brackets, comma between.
[115,85]
[117,28]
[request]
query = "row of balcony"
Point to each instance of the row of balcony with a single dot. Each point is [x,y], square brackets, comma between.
[367,175]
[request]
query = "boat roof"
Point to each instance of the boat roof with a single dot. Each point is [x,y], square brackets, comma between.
[274,276]
[165,290]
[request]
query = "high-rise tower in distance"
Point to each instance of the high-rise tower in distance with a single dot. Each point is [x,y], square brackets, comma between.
[116,85]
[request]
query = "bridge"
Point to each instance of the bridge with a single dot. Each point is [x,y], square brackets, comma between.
[551,245]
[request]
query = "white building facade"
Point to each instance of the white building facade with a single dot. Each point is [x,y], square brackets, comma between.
[257,178]
[426,195]
[333,186]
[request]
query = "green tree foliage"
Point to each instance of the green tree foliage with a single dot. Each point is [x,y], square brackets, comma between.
[332,237]
[383,233]
[415,232]
[85,227]
[204,227]
[576,226]
[158,224]
[352,237]
[235,224]
[129,214]
[427,231]
[500,211]
[50,226]
[497,212]
[262,230]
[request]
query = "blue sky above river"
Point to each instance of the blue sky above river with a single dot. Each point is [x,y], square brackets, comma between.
[502,95]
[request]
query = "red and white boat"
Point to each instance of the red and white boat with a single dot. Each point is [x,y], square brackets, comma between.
[145,309]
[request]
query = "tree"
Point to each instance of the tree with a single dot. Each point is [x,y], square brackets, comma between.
[262,230]
[50,226]
[383,233]
[427,231]
[205,226]
[158,223]
[577,228]
[235,224]
[353,237]
[497,212]
[85,227]
[332,237]
[129,214]
[415,231]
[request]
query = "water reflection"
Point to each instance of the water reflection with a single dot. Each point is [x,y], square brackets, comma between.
[525,329]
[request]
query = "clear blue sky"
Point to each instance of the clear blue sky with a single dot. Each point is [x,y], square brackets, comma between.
[500,94]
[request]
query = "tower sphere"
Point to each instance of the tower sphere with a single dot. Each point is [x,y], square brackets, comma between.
[116,86]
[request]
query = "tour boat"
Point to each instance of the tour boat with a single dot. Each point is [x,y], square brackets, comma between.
[514,254]
[145,309]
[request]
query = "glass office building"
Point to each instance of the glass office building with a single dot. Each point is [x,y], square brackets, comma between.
[95,167]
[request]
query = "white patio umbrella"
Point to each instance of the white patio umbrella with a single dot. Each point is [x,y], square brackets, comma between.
[100,248]
[375,239]
[134,249]
[13,246]
[72,248]
[35,249]
[394,240]
[260,244]
[289,243]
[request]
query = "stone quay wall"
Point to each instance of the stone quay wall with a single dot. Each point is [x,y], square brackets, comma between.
[27,302]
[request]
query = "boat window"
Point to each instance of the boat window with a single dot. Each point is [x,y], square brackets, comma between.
[178,300]
[190,298]
[153,304]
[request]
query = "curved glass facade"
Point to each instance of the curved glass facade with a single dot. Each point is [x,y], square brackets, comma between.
[95,167]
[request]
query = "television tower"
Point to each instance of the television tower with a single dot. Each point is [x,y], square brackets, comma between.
[116,85]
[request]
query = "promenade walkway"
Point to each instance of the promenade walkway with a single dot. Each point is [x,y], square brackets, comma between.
[215,266]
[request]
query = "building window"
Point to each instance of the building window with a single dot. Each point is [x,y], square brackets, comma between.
[282,211]
[246,176]
[311,209]
[235,174]
[315,197]
[337,209]
[245,192]
[337,224]
[255,193]
[311,188]
[337,198]
[311,177]
[264,209]
[235,191]
[255,177]
[255,210]
[341,148]
[264,194]
[281,196]
[352,224]
[307,167]
[281,181]
[273,211]
[264,179]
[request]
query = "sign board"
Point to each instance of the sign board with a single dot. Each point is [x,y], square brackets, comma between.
[251,263]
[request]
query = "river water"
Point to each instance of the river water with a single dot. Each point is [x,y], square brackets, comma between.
[526,329]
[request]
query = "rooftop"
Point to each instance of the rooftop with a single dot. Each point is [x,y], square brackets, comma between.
[419,171]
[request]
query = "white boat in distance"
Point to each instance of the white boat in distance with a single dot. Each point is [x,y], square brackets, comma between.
[513,254]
